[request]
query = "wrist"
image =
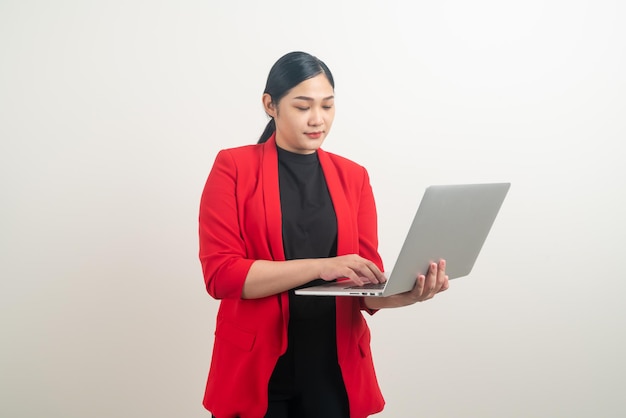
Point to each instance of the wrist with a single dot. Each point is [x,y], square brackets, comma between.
[394,301]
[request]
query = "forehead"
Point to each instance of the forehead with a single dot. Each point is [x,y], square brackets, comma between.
[317,87]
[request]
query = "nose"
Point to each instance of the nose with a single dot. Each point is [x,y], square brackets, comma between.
[315,118]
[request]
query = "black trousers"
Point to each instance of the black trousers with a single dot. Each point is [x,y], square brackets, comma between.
[330,407]
[295,408]
[307,381]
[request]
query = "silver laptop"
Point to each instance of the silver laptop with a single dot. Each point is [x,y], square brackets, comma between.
[451,223]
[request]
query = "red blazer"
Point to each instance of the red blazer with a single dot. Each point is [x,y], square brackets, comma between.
[240,222]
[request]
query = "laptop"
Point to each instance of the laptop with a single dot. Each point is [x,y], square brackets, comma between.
[451,223]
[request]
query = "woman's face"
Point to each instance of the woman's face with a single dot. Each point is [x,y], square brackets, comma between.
[304,115]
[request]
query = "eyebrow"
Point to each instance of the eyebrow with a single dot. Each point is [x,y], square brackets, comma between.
[310,99]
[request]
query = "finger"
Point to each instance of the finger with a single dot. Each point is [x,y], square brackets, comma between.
[378,276]
[363,273]
[445,285]
[418,290]
[355,278]
[430,284]
[370,272]
[441,274]
[348,274]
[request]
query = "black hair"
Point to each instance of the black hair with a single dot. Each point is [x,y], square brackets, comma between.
[290,70]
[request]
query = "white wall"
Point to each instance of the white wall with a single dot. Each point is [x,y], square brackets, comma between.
[111,114]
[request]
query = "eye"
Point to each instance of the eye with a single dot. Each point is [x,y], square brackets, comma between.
[302,108]
[328,107]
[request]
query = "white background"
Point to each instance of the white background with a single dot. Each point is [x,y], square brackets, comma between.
[111,114]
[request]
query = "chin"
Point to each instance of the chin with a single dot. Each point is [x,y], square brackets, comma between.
[314,144]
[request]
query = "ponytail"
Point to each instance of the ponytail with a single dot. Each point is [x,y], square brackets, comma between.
[268,132]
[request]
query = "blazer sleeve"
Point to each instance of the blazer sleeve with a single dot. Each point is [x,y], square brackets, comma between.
[222,249]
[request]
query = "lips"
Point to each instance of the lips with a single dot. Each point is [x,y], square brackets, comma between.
[313,135]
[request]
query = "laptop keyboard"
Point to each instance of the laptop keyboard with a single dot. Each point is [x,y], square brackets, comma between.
[369,286]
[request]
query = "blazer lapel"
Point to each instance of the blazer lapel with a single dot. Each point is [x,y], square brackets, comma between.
[347,243]
[271,197]
[274,222]
[345,217]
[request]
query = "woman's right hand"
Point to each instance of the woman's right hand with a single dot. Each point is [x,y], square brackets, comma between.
[267,278]
[351,267]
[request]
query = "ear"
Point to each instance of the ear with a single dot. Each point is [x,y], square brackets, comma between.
[268,105]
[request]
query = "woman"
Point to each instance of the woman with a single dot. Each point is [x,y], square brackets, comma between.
[277,216]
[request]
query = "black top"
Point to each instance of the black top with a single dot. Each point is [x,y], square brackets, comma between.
[309,222]
[309,231]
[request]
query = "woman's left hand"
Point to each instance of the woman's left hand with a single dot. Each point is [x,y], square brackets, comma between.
[426,287]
